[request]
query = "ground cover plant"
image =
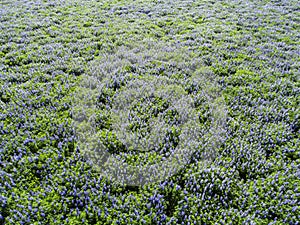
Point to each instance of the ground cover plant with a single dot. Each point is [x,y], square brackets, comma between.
[235,63]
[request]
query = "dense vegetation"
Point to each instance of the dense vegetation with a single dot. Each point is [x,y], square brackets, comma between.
[79,72]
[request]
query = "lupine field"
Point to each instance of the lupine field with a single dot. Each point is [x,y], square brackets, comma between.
[149,112]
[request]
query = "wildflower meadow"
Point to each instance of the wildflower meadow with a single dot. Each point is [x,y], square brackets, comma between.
[149,112]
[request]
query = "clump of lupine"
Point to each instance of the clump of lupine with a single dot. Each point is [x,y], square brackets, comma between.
[248,50]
